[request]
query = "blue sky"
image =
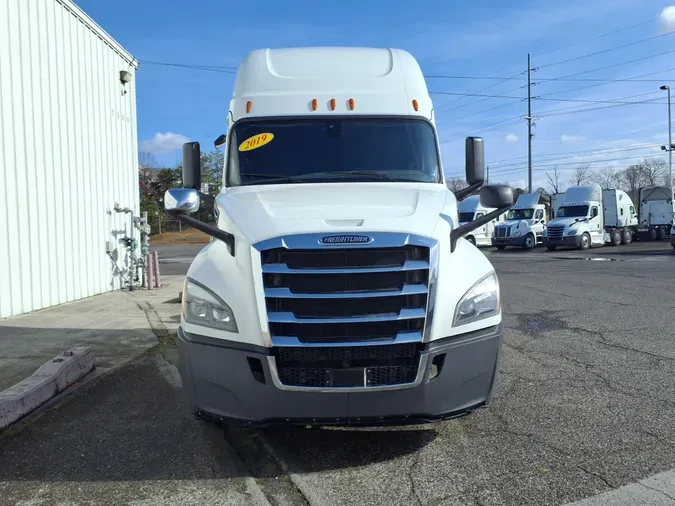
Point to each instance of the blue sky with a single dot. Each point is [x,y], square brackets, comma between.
[490,40]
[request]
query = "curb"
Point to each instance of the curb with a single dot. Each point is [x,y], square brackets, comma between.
[51,378]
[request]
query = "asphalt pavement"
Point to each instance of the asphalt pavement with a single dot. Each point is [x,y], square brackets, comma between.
[585,406]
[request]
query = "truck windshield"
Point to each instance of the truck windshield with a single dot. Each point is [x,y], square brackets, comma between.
[572,212]
[465,217]
[520,214]
[300,150]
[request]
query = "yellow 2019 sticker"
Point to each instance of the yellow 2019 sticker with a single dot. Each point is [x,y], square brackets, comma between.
[256,141]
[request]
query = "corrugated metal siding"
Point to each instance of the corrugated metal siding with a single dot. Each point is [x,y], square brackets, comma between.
[68,153]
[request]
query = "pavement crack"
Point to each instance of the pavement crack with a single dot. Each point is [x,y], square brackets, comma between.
[597,475]
[411,478]
[672,498]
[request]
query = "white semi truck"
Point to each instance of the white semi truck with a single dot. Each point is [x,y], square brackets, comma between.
[339,289]
[591,216]
[471,209]
[524,225]
[655,214]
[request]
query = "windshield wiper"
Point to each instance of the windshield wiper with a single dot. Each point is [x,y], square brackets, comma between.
[378,176]
[272,178]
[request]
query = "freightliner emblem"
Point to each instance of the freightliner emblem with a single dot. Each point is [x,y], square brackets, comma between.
[346,239]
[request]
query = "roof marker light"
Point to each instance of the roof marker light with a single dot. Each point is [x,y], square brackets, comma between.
[351,104]
[416,106]
[332,104]
[248,106]
[314,104]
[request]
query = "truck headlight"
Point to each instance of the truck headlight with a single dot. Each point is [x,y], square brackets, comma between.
[573,231]
[203,307]
[481,301]
[517,233]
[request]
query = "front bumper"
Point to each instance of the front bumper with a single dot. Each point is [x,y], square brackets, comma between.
[508,241]
[219,382]
[568,240]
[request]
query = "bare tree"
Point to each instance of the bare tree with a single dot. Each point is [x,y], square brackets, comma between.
[147,160]
[455,183]
[607,178]
[582,175]
[632,179]
[654,171]
[553,180]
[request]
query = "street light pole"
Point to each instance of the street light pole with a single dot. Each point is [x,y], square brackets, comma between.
[670,143]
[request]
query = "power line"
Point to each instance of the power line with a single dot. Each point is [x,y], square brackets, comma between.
[598,36]
[534,98]
[616,65]
[605,50]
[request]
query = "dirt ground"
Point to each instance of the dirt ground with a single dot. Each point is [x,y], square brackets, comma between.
[189,236]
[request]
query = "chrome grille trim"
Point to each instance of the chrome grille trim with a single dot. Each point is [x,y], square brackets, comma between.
[391,310]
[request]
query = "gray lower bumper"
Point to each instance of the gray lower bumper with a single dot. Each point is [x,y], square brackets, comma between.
[508,241]
[220,383]
[570,240]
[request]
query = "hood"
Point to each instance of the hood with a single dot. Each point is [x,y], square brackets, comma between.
[566,222]
[265,211]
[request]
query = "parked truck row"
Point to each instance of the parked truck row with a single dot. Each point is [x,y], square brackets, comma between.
[584,217]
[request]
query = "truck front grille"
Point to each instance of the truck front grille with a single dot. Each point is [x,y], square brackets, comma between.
[502,232]
[555,232]
[373,365]
[337,314]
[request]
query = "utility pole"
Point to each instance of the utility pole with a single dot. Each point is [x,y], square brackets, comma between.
[487,175]
[529,124]
[670,143]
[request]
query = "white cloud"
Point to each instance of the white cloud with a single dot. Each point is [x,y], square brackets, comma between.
[572,138]
[164,143]
[667,19]
[511,138]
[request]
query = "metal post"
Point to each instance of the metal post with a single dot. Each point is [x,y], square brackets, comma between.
[529,124]
[487,175]
[670,143]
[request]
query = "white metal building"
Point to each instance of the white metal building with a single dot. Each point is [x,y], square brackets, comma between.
[68,153]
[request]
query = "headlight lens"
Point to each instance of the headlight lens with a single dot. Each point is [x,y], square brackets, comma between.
[481,301]
[573,231]
[517,233]
[203,307]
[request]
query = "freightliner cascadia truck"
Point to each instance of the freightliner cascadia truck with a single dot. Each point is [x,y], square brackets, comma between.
[338,288]
[591,216]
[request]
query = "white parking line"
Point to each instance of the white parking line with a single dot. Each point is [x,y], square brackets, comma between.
[657,490]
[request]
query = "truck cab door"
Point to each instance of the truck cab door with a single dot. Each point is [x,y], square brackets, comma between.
[538,227]
[482,231]
[594,227]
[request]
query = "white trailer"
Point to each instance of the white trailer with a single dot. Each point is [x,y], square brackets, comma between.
[68,154]
[591,216]
[524,224]
[655,213]
[339,288]
[471,209]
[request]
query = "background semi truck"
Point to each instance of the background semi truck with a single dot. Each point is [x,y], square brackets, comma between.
[340,289]
[556,201]
[655,214]
[591,216]
[471,209]
[524,224]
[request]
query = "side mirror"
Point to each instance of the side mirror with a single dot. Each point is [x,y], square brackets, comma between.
[192,166]
[182,200]
[475,162]
[220,141]
[496,195]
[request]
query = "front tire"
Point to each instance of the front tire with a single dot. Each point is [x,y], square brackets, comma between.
[500,247]
[585,242]
[472,240]
[529,242]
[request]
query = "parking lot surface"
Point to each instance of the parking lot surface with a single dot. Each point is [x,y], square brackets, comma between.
[585,406]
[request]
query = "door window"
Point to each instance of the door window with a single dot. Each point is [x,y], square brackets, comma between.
[594,212]
[539,215]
